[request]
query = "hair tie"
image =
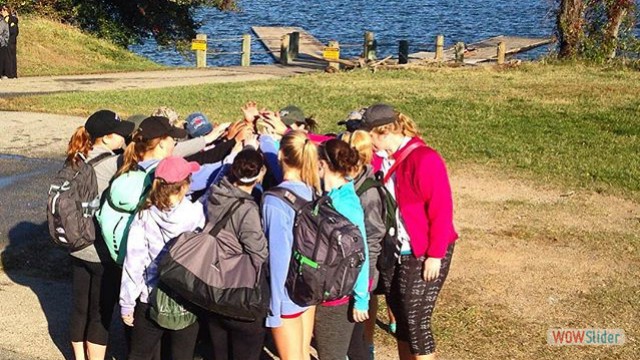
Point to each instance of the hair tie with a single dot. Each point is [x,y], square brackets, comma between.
[249,180]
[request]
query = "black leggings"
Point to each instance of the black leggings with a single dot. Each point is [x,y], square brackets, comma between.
[412,301]
[146,335]
[358,349]
[332,331]
[95,291]
[234,339]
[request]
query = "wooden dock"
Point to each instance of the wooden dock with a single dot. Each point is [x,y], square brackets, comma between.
[486,50]
[310,49]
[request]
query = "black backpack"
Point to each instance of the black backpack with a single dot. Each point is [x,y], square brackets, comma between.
[328,250]
[390,243]
[73,200]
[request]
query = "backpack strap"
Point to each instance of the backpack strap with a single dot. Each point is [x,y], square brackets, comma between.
[374,183]
[215,230]
[96,160]
[366,185]
[404,153]
[288,196]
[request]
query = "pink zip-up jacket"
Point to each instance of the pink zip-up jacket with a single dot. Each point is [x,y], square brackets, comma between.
[424,198]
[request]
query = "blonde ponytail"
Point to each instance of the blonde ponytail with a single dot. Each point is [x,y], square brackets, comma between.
[403,125]
[80,143]
[298,152]
[361,141]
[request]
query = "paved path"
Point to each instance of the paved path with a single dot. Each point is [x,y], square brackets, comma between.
[149,79]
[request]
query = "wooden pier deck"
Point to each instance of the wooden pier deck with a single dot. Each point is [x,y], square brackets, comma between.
[486,50]
[310,49]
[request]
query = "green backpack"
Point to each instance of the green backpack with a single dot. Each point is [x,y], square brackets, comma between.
[121,202]
[167,310]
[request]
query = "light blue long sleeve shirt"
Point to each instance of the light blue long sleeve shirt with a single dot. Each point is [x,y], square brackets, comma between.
[278,219]
[347,203]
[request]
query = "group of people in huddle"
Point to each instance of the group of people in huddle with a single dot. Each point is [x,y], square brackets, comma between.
[201,171]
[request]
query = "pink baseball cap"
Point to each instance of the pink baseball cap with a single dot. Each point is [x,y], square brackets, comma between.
[175,169]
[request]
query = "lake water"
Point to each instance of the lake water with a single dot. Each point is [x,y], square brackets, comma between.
[346,21]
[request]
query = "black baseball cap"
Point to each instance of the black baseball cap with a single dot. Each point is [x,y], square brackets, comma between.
[377,115]
[159,126]
[105,122]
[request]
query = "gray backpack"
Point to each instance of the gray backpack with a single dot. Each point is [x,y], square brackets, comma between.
[328,250]
[73,200]
[211,270]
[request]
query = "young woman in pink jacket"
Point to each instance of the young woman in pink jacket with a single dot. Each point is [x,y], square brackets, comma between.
[416,175]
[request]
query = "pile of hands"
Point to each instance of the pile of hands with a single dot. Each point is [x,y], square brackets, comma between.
[246,131]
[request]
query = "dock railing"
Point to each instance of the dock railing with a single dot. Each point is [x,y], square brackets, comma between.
[290,45]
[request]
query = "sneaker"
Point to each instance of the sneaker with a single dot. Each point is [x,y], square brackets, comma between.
[372,352]
[392,328]
[4,78]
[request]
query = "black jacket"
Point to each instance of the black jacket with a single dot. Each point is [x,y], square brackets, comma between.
[14,30]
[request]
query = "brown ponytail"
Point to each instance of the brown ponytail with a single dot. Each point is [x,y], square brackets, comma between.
[134,152]
[341,158]
[403,125]
[80,143]
[161,192]
[310,124]
[298,152]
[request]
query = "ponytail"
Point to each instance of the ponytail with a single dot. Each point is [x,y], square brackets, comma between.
[340,157]
[408,126]
[134,152]
[361,141]
[309,171]
[403,125]
[310,124]
[161,193]
[80,143]
[298,152]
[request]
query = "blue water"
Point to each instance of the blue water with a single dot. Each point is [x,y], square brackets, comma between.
[346,21]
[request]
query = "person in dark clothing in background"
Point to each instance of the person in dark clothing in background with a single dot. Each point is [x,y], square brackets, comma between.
[11,19]
[4,44]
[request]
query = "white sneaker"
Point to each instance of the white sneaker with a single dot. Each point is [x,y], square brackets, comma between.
[4,78]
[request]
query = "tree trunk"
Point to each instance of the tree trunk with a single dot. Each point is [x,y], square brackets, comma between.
[570,23]
[616,15]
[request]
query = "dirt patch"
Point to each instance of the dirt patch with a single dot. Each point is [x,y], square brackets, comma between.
[532,257]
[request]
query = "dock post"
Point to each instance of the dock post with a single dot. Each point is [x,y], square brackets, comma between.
[294,45]
[439,47]
[334,65]
[246,50]
[369,52]
[284,50]
[403,52]
[502,50]
[201,55]
[459,51]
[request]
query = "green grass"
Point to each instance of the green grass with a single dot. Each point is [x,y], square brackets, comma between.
[576,125]
[49,48]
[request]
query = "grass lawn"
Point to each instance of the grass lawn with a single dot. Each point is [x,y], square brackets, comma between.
[49,48]
[574,124]
[536,250]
